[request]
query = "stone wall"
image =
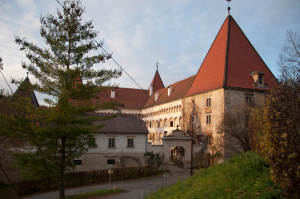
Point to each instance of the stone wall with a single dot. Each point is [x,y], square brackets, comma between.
[99,161]
[197,104]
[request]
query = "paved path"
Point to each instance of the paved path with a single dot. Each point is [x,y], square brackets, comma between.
[134,189]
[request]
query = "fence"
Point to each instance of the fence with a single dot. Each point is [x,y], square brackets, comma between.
[84,178]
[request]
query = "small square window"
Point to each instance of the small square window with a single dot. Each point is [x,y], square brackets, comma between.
[249,100]
[77,162]
[208,139]
[208,119]
[111,161]
[111,143]
[208,102]
[130,142]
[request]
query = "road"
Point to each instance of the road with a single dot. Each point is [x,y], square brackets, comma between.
[134,189]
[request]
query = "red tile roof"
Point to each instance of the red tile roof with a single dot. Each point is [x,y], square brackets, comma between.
[130,98]
[179,89]
[229,62]
[157,82]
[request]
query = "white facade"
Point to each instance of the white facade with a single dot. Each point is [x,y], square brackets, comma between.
[162,119]
[121,141]
[105,156]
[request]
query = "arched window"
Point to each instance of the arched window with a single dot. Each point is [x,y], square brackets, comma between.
[176,122]
[161,123]
[180,121]
[166,123]
[171,122]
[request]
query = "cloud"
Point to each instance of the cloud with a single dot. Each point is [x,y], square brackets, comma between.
[177,33]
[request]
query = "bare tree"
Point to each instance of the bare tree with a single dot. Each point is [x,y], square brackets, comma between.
[289,59]
[234,132]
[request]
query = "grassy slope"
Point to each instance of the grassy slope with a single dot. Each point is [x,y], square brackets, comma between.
[243,176]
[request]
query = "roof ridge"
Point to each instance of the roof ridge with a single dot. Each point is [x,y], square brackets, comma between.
[125,88]
[227,49]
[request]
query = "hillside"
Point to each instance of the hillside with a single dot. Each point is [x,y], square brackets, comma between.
[243,176]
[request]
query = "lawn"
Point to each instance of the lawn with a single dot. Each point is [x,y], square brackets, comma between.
[243,176]
[94,193]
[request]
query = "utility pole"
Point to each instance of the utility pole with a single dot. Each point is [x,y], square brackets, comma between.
[192,158]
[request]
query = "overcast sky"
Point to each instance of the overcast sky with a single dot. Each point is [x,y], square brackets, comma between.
[176,33]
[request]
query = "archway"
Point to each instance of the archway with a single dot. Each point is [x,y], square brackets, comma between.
[177,156]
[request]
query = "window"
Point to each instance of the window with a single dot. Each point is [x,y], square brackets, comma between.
[77,162]
[171,123]
[111,143]
[130,143]
[111,161]
[113,94]
[208,140]
[260,79]
[249,100]
[208,102]
[208,119]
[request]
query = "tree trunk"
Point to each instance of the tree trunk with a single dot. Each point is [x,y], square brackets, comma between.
[62,169]
[62,187]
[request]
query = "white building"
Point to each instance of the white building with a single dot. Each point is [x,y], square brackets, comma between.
[121,142]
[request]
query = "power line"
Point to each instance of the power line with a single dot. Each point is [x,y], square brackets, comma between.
[119,65]
[1,68]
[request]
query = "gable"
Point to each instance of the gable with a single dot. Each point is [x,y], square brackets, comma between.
[230,62]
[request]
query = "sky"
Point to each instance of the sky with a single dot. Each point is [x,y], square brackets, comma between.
[176,33]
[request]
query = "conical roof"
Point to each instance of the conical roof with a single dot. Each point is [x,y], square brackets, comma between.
[25,90]
[157,82]
[230,62]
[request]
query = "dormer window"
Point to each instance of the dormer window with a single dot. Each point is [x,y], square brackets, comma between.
[156,96]
[151,90]
[169,90]
[258,80]
[113,94]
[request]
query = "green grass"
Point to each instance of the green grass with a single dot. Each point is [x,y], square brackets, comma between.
[243,176]
[94,193]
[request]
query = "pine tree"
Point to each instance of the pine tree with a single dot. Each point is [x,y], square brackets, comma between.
[61,132]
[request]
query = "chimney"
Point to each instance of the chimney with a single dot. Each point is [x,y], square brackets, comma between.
[156,96]
[169,90]
[151,90]
[112,94]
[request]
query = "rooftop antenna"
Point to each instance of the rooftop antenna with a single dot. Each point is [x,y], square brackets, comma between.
[228,8]
[157,63]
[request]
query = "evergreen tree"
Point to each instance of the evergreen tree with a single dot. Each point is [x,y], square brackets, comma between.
[61,132]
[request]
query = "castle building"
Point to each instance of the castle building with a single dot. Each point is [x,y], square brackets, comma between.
[185,117]
[232,76]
